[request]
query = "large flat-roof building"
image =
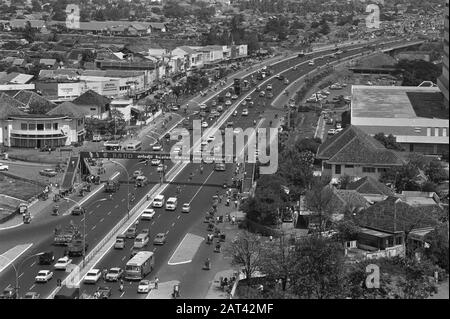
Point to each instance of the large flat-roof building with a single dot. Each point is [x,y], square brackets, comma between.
[416,116]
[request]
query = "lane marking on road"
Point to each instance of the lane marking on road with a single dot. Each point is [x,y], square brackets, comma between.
[10,256]
[32,286]
[154,249]
[200,188]
[109,213]
[173,224]
[123,258]
[178,217]
[94,227]
[123,199]
[101,220]
[117,205]
[34,263]
[98,205]
[167,232]
[152,223]
[21,275]
[90,213]
[82,219]
[122,294]
[158,216]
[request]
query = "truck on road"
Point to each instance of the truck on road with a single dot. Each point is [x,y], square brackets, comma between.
[65,236]
[75,247]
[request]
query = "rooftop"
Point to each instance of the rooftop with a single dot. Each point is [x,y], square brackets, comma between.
[407,102]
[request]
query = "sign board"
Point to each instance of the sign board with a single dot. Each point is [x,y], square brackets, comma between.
[69,89]
[110,88]
[65,149]
[16,87]
[152,155]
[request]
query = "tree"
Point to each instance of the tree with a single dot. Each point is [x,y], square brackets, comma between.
[279,261]
[415,284]
[344,180]
[174,10]
[319,269]
[438,250]
[117,125]
[435,172]
[29,33]
[390,142]
[318,199]
[36,6]
[246,251]
[308,144]
[403,177]
[417,71]
[324,28]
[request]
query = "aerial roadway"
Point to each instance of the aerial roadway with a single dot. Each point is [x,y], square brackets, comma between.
[191,186]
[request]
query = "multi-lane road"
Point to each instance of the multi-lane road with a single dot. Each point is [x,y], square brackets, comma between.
[103,215]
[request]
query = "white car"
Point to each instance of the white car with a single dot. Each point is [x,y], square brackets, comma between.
[186,208]
[244,112]
[158,201]
[62,263]
[44,276]
[204,124]
[210,139]
[311,62]
[144,286]
[228,103]
[228,95]
[148,214]
[235,113]
[269,87]
[155,161]
[4,167]
[171,203]
[92,276]
[234,97]
[203,106]
[157,147]
[244,103]
[160,168]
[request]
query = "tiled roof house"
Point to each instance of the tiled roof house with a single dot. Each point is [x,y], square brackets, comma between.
[356,154]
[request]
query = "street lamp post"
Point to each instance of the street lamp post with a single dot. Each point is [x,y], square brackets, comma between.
[128,185]
[84,222]
[16,269]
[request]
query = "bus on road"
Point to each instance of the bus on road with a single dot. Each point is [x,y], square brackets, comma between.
[139,266]
[112,145]
[133,146]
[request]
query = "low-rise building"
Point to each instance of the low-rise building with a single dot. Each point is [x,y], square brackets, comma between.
[356,154]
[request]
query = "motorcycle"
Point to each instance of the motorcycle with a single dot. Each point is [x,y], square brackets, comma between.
[207,265]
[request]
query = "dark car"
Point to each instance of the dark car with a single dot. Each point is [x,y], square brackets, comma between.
[46,258]
[9,293]
[78,211]
[49,172]
[47,148]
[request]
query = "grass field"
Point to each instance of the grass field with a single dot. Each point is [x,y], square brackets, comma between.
[17,189]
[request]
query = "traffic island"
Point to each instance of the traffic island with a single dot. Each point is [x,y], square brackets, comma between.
[186,250]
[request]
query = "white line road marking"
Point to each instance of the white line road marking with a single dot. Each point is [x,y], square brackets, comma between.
[123,199]
[32,286]
[153,223]
[101,220]
[200,188]
[21,275]
[167,232]
[82,219]
[94,227]
[34,263]
[173,224]
[123,258]
[178,217]
[154,249]
[116,206]
[158,216]
[90,213]
[109,213]
[122,294]
[98,205]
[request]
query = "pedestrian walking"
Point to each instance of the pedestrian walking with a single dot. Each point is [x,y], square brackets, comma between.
[235,203]
[156,282]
